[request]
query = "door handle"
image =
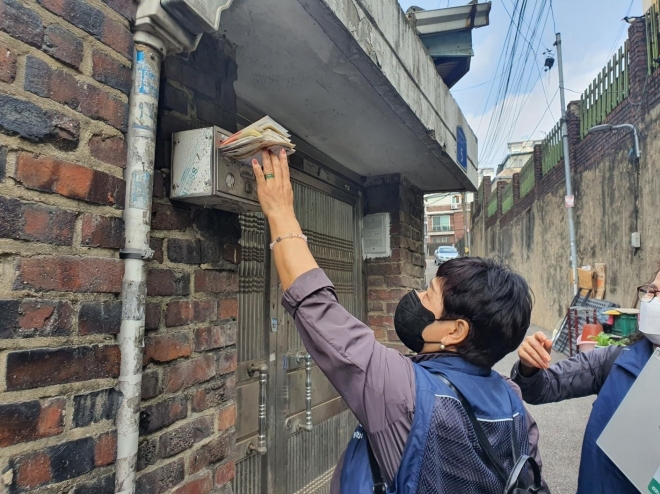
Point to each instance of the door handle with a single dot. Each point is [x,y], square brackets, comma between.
[260,448]
[307,426]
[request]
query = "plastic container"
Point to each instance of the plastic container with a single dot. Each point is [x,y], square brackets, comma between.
[625,325]
[591,330]
[585,346]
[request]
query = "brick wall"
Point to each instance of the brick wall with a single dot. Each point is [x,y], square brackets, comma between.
[389,279]
[64,82]
[613,198]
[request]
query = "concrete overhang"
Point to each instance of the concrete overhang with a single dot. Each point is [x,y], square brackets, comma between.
[352,79]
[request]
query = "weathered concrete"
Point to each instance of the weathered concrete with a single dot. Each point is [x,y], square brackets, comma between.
[371,81]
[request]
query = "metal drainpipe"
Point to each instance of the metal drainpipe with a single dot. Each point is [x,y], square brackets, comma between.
[148,54]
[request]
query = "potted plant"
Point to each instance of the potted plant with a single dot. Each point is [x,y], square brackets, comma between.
[604,340]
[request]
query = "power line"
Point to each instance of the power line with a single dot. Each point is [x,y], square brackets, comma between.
[554,23]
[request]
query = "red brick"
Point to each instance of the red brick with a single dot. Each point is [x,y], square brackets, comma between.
[102,231]
[105,449]
[162,479]
[111,71]
[70,180]
[380,320]
[45,318]
[161,185]
[375,306]
[29,421]
[26,221]
[387,294]
[188,373]
[166,347]
[207,281]
[232,253]
[228,308]
[27,369]
[375,281]
[100,317]
[93,21]
[109,149]
[150,384]
[166,283]
[156,244]
[227,418]
[225,473]
[163,414]
[70,274]
[21,23]
[186,436]
[201,485]
[63,87]
[214,394]
[152,315]
[7,65]
[168,218]
[183,312]
[212,452]
[117,37]
[213,337]
[126,8]
[33,471]
[63,45]
[227,362]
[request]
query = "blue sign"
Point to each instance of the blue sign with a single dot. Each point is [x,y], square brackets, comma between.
[461,148]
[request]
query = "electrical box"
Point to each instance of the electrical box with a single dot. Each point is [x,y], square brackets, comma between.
[197,16]
[635,240]
[202,175]
[376,236]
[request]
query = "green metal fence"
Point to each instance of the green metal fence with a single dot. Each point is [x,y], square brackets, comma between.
[552,149]
[507,198]
[527,178]
[609,89]
[492,203]
[653,37]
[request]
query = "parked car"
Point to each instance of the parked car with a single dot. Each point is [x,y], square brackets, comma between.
[445,253]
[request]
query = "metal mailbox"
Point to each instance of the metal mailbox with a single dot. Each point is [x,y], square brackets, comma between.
[202,175]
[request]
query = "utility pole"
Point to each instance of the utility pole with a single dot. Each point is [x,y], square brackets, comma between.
[570,198]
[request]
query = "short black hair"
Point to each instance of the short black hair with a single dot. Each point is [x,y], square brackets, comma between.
[495,301]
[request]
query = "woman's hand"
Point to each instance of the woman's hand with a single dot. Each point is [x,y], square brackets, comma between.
[274,185]
[534,353]
[292,256]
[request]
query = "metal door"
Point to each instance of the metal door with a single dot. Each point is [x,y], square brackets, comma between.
[307,424]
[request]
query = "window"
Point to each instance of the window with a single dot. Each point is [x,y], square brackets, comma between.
[441,223]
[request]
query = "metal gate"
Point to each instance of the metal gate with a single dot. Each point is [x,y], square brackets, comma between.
[292,426]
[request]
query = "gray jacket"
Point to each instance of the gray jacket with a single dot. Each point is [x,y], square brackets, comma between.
[576,377]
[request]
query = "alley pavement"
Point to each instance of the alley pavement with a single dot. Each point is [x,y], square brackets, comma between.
[561,426]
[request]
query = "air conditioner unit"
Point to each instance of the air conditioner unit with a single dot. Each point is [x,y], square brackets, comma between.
[455,206]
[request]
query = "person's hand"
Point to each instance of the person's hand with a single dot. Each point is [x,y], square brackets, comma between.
[534,353]
[274,185]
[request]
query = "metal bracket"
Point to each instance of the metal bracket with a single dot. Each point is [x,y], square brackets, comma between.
[136,254]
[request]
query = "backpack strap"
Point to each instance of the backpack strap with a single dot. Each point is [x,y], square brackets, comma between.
[512,483]
[478,430]
[380,487]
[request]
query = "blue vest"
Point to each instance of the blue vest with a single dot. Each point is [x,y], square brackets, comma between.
[597,472]
[442,454]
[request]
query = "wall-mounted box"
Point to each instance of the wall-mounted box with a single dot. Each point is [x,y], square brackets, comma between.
[376,236]
[202,175]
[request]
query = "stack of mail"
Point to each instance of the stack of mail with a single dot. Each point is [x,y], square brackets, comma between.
[247,143]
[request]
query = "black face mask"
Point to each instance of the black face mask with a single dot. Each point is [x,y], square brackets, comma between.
[411,318]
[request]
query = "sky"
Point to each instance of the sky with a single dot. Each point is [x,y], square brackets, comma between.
[591,31]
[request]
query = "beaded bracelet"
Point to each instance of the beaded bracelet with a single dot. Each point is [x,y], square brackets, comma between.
[290,235]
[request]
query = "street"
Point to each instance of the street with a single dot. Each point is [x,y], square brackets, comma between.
[561,426]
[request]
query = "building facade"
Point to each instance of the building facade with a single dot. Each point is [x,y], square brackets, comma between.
[220,375]
[447,222]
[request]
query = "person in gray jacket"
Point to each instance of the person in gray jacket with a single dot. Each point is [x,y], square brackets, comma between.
[607,372]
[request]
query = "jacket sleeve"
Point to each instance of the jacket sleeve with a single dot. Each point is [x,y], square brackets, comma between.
[377,383]
[576,377]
